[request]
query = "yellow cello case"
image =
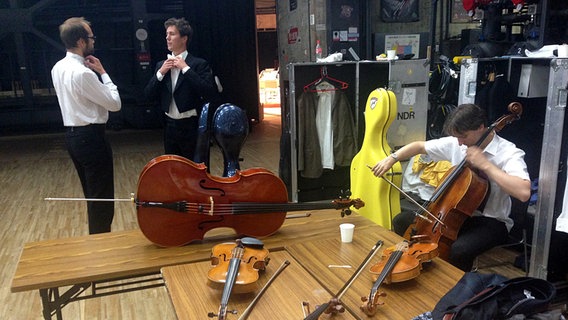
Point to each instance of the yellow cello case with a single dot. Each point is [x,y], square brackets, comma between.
[382,201]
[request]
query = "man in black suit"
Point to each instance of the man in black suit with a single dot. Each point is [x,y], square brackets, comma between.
[181,85]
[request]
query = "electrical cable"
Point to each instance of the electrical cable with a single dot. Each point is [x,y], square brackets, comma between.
[436,127]
[441,77]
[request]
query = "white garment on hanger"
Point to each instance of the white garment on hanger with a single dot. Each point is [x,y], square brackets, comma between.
[562,220]
[324,123]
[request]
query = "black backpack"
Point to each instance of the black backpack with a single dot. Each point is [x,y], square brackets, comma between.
[489,296]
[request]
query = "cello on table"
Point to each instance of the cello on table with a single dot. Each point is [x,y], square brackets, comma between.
[178,201]
[461,192]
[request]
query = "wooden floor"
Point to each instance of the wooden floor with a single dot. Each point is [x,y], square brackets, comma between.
[34,167]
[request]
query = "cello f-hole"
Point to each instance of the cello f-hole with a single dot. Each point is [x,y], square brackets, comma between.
[436,224]
[202,185]
[203,224]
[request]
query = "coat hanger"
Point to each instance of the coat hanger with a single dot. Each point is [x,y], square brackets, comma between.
[337,84]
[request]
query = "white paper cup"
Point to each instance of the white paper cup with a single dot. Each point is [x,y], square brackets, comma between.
[346,232]
[563,51]
[391,54]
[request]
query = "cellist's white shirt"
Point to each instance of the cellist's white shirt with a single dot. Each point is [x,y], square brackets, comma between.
[82,97]
[562,220]
[502,153]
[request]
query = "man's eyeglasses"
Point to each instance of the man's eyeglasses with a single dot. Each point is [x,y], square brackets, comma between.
[92,37]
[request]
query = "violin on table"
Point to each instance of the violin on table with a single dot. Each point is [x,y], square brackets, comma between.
[236,266]
[399,263]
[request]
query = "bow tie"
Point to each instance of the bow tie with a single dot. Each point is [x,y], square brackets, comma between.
[171,56]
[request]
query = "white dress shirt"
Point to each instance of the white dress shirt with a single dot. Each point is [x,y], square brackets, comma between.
[502,153]
[82,97]
[562,220]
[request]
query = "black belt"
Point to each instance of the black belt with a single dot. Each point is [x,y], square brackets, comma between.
[182,120]
[92,126]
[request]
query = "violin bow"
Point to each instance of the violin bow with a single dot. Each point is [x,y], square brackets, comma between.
[337,299]
[261,292]
[412,200]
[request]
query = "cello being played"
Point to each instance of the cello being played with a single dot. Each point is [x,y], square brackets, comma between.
[469,212]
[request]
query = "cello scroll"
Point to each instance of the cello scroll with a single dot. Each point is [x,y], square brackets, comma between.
[516,109]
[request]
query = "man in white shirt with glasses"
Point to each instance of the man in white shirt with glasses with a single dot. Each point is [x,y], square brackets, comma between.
[85,102]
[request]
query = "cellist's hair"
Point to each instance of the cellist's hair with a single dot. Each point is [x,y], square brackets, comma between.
[182,26]
[72,30]
[465,117]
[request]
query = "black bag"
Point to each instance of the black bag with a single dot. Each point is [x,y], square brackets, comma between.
[498,300]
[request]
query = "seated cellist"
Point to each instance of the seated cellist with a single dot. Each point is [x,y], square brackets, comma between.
[495,159]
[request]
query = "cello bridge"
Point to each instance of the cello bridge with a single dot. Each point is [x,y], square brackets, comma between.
[211,204]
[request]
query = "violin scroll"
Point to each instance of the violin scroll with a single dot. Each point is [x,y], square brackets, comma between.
[369,307]
[346,203]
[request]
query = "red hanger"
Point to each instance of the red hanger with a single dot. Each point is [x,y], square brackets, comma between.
[337,84]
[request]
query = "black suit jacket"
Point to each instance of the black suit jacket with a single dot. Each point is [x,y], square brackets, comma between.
[192,90]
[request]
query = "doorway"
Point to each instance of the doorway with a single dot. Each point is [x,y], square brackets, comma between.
[267,48]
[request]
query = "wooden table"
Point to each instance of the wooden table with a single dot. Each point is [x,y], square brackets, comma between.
[310,279]
[86,261]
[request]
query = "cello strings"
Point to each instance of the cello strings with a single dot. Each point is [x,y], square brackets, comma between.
[222,208]
[243,208]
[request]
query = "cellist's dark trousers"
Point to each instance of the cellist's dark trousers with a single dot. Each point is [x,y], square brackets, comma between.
[180,136]
[92,156]
[477,235]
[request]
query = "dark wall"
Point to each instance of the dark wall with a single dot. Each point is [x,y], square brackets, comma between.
[267,50]
[225,35]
